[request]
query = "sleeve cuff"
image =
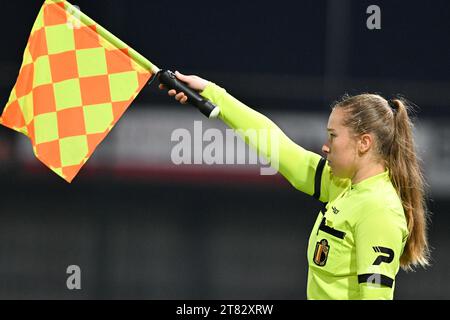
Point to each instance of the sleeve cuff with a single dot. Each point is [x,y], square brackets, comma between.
[213,93]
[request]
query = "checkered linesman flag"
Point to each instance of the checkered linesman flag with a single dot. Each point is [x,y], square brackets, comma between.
[75,82]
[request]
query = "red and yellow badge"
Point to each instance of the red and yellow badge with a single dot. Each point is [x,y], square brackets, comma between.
[321,252]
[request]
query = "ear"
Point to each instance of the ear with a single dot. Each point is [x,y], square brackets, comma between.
[365,143]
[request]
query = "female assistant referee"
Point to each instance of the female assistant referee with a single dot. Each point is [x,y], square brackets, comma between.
[373,219]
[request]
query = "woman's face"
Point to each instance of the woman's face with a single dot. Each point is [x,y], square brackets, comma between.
[340,147]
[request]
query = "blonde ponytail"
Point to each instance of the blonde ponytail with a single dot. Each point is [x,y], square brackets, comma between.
[408,180]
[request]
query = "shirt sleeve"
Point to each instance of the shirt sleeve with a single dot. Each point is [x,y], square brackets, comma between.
[305,170]
[379,241]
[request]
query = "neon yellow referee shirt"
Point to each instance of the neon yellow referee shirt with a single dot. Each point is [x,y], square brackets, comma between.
[359,235]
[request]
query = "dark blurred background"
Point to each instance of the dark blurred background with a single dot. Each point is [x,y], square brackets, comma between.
[140,227]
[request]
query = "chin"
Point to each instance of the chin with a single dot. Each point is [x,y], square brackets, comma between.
[336,173]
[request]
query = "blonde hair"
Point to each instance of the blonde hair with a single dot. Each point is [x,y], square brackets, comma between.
[391,125]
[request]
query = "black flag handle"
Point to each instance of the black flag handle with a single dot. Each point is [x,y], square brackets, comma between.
[168,78]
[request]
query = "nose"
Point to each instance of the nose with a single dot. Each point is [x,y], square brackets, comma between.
[325,149]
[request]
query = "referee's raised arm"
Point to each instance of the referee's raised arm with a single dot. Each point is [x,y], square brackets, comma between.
[305,170]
